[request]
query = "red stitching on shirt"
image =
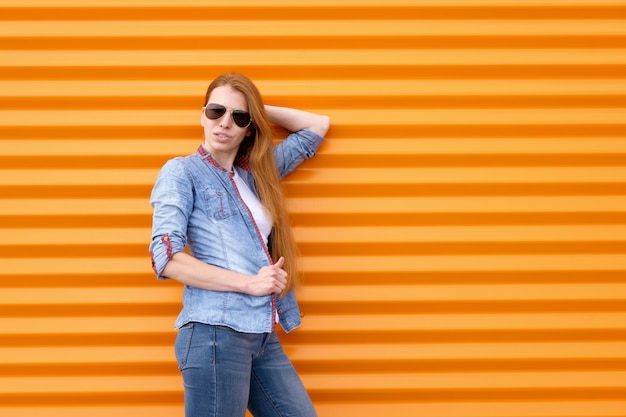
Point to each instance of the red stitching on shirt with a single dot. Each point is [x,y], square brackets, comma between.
[267,253]
[154,268]
[166,240]
[241,161]
[244,162]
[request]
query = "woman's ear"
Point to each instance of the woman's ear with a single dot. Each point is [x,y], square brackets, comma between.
[202,118]
[251,131]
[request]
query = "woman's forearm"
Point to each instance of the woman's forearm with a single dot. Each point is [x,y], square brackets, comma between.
[188,270]
[193,272]
[294,119]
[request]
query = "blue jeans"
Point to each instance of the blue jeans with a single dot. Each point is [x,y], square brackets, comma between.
[225,372]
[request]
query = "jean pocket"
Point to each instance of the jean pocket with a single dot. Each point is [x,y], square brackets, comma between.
[183,344]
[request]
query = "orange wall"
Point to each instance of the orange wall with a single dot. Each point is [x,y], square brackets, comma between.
[463,227]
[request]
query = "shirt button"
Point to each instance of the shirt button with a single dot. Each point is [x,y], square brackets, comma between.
[280,311]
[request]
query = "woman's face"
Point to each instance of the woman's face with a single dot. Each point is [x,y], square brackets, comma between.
[222,136]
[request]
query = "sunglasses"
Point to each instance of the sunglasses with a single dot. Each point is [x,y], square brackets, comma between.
[215,111]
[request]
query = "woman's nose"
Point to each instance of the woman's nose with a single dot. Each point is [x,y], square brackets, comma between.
[226,119]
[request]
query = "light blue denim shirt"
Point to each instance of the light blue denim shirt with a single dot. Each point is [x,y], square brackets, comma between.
[196,204]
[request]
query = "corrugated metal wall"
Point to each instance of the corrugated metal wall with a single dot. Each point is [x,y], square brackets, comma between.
[463,228]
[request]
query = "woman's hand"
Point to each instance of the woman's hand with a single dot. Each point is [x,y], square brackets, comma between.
[270,279]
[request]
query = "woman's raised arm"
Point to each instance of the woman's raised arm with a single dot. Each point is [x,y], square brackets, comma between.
[294,119]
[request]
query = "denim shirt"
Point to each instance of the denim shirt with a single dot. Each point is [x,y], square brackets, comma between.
[196,204]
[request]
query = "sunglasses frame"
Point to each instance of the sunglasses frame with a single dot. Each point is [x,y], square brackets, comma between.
[214,107]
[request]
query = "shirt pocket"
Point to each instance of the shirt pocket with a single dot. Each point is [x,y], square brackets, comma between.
[219,205]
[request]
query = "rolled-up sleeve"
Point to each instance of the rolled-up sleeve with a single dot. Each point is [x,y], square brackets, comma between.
[295,149]
[172,203]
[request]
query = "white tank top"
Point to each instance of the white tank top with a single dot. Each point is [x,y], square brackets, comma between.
[260,215]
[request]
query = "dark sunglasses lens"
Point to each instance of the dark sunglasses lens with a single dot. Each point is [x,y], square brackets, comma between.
[241,118]
[214,112]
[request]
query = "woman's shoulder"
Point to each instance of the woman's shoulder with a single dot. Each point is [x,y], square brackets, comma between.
[178,162]
[176,168]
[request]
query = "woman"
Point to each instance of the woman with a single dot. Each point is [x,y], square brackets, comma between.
[225,203]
